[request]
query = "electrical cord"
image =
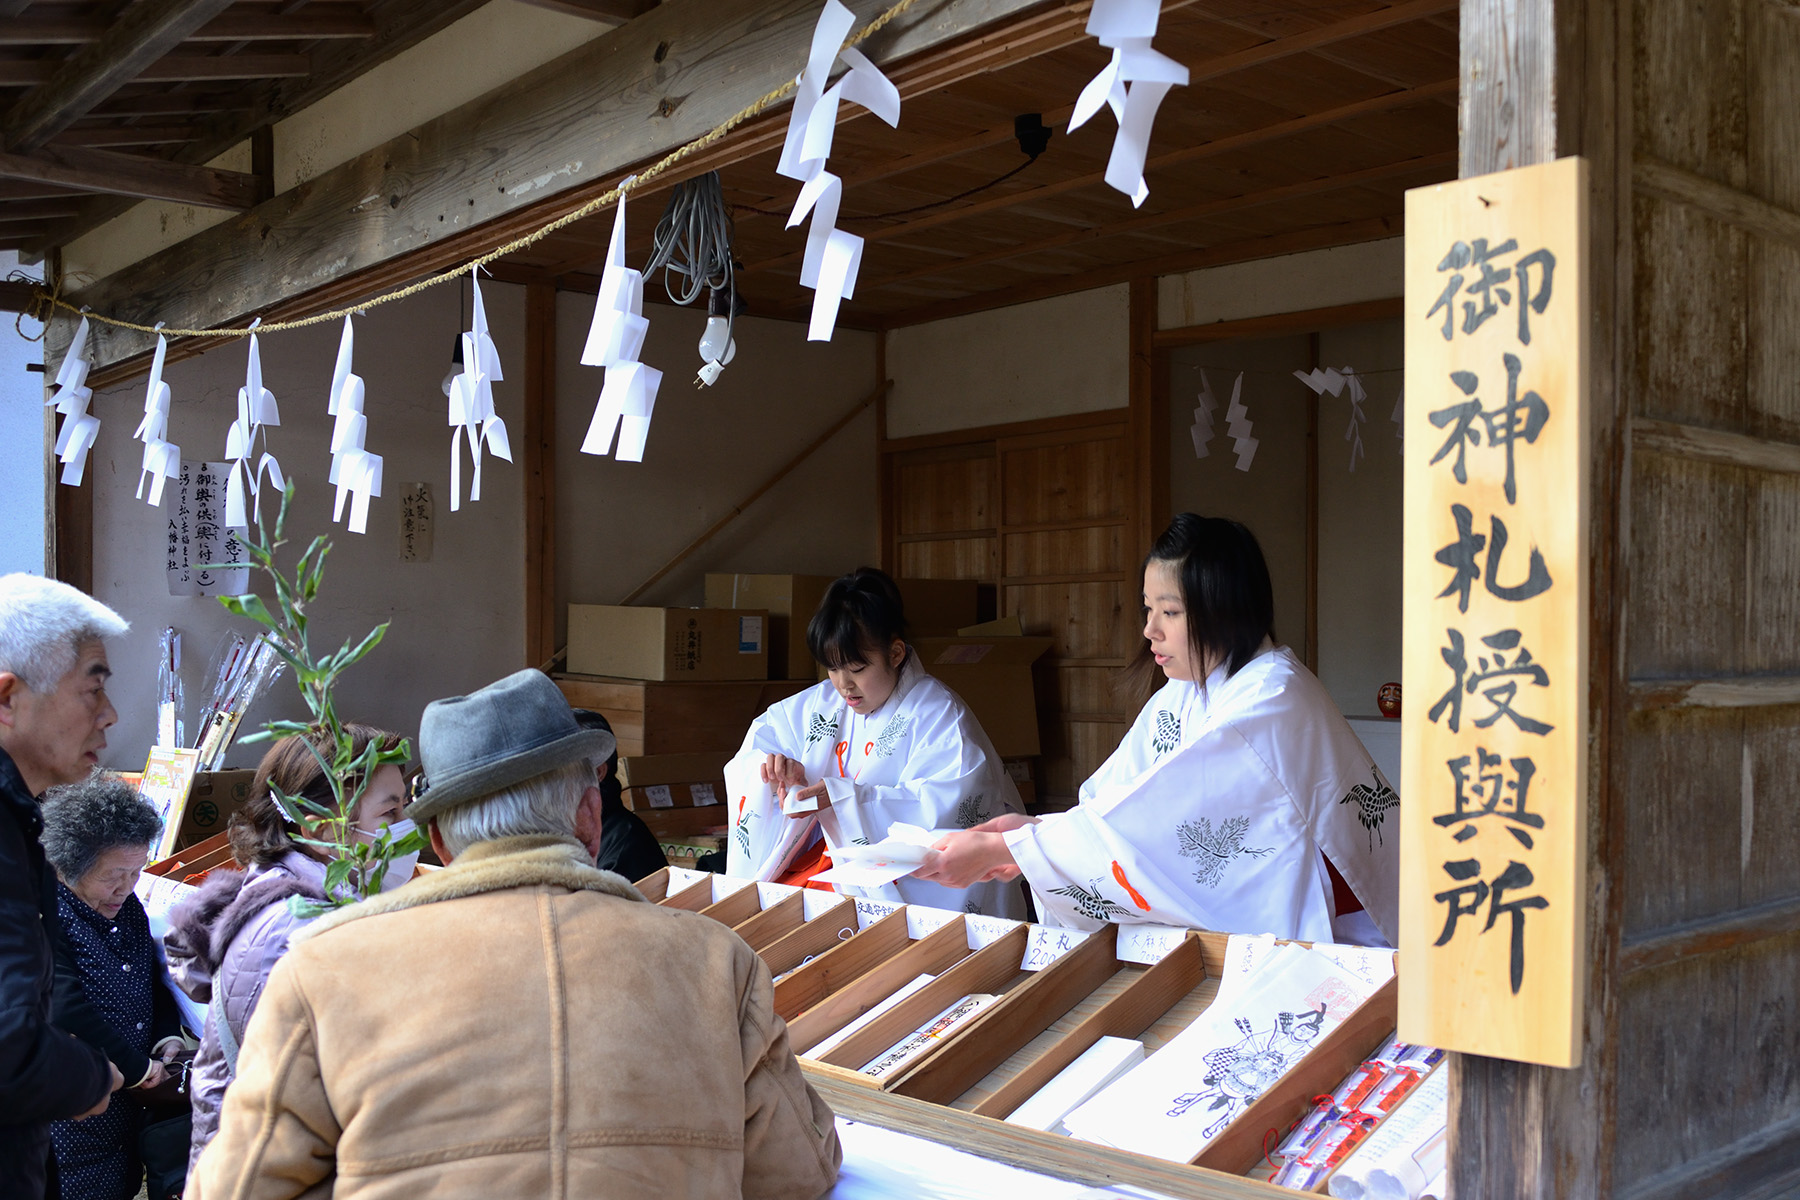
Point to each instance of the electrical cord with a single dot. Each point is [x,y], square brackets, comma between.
[693,240]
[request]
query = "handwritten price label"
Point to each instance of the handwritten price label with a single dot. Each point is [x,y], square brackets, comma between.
[1148,944]
[702,794]
[922,922]
[985,931]
[870,911]
[681,878]
[659,796]
[1044,945]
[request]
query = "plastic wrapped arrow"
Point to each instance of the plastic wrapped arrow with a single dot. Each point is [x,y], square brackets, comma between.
[1133,84]
[79,428]
[162,458]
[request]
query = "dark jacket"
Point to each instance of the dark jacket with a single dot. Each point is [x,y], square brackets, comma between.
[627,847]
[85,940]
[45,1073]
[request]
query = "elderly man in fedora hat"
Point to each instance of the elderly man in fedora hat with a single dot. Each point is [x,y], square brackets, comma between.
[519,1024]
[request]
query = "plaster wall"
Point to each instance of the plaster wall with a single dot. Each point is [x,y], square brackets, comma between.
[1069,354]
[1290,283]
[456,619]
[22,445]
[618,522]
[491,46]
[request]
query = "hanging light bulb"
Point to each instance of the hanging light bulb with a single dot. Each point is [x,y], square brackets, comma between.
[717,346]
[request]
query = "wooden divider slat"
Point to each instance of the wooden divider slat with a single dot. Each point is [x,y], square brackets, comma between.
[849,999]
[774,922]
[830,928]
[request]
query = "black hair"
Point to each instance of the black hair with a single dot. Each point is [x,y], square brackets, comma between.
[84,820]
[860,615]
[611,790]
[1225,590]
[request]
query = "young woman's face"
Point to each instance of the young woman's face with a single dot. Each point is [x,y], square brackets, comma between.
[1165,622]
[866,686]
[384,802]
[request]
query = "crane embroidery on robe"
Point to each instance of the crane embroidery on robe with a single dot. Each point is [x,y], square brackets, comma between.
[1372,805]
[821,730]
[1091,901]
[890,735]
[1237,1075]
[1213,851]
[971,812]
[1168,732]
[743,824]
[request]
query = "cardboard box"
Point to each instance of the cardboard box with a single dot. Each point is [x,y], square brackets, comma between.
[655,718]
[790,600]
[668,643]
[210,803]
[673,780]
[993,677]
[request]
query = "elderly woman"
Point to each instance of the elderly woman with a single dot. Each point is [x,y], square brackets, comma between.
[224,942]
[110,987]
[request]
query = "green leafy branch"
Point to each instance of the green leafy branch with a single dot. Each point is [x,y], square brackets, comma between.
[355,867]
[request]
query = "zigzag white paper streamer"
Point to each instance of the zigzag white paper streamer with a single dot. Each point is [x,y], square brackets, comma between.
[1335,381]
[833,255]
[80,428]
[1238,427]
[354,471]
[615,339]
[472,401]
[162,458]
[256,409]
[1132,84]
[1202,429]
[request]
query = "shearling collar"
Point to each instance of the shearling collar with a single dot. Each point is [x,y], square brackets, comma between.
[488,867]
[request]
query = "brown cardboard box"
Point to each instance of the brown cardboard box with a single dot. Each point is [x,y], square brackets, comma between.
[791,601]
[651,717]
[213,798]
[673,780]
[993,677]
[668,643]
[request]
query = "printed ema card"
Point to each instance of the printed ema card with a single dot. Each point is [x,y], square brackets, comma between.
[168,777]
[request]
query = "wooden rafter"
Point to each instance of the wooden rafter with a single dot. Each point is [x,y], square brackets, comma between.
[320,22]
[399,25]
[171,68]
[614,12]
[124,135]
[137,37]
[131,175]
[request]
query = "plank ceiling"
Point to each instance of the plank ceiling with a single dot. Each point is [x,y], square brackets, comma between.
[1304,125]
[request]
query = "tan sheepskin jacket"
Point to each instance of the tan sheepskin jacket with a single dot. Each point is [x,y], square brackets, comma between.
[518,1024]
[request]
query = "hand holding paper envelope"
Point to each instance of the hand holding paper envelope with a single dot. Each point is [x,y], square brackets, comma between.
[904,850]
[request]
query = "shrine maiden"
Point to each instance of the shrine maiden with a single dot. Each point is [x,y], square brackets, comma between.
[1240,798]
[880,741]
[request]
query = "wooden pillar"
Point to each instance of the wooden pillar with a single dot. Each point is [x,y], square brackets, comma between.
[1540,81]
[540,473]
[1149,422]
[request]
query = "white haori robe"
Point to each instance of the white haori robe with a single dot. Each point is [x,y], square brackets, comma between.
[1214,809]
[922,758]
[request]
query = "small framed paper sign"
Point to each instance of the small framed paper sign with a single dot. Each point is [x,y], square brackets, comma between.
[168,777]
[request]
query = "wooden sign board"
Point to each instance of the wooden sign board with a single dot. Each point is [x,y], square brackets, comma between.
[1493,903]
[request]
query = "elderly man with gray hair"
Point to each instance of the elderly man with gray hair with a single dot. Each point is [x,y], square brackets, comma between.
[519,1023]
[53,720]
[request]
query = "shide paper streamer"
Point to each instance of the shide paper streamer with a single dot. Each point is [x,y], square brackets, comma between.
[162,458]
[256,409]
[79,427]
[1237,427]
[832,254]
[614,341]
[1328,379]
[354,471]
[1133,85]
[472,401]
[1202,429]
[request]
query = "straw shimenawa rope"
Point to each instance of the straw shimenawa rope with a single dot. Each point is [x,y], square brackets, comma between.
[54,299]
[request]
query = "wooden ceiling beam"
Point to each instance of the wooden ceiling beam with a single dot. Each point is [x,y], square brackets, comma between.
[171,68]
[162,102]
[18,189]
[47,208]
[322,22]
[399,25]
[615,12]
[132,175]
[136,38]
[1316,238]
[1444,89]
[1249,201]
[124,135]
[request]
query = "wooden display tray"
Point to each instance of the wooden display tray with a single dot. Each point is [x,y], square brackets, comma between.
[959,1091]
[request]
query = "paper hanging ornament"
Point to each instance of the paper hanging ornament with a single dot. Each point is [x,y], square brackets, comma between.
[80,428]
[1133,84]
[162,458]
[1238,427]
[256,409]
[615,339]
[833,256]
[472,401]
[354,471]
[1336,381]
[1202,428]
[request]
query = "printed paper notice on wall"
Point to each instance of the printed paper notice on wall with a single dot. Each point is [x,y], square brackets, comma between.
[750,635]
[199,539]
[1493,895]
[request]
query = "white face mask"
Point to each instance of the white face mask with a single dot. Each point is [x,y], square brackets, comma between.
[400,868]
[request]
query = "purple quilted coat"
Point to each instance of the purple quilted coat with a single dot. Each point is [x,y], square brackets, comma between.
[229,937]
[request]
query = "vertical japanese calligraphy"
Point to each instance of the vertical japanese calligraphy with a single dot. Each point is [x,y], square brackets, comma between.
[1493,907]
[199,539]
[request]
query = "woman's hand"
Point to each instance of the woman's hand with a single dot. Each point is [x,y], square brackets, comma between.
[969,857]
[1004,823]
[154,1077]
[781,772]
[812,792]
[169,1048]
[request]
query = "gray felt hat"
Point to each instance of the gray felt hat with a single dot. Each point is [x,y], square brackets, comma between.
[510,731]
